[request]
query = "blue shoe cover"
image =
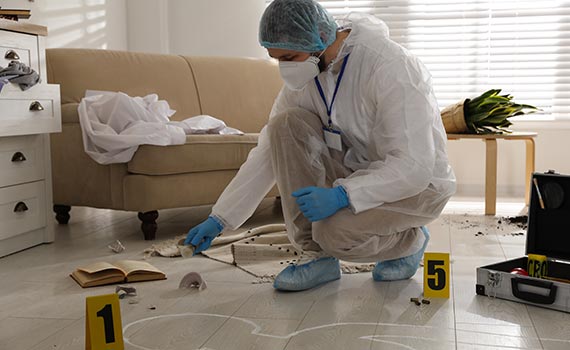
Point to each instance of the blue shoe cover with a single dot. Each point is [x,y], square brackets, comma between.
[308,275]
[402,268]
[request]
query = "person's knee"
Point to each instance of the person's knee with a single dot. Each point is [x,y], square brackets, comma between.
[330,238]
[291,120]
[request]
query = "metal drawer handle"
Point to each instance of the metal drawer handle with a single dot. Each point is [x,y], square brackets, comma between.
[20,207]
[18,157]
[11,55]
[36,106]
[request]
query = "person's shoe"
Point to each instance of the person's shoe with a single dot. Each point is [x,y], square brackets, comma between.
[402,268]
[308,273]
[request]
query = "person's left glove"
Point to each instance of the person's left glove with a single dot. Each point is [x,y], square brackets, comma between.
[318,203]
[202,235]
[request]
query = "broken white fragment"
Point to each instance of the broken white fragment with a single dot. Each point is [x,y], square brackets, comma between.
[192,280]
[116,246]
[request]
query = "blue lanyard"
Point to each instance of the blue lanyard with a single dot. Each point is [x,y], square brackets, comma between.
[320,88]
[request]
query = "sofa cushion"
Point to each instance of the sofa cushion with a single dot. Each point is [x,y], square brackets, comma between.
[200,153]
[134,73]
[239,91]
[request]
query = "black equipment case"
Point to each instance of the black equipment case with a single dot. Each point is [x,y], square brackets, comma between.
[548,234]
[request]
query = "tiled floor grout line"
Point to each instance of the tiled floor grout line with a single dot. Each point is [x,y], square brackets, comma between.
[451,267]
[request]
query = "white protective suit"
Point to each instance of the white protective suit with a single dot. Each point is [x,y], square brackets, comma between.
[389,119]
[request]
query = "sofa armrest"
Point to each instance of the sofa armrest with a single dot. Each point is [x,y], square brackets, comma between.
[69,113]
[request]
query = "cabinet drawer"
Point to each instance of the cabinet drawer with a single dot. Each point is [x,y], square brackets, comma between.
[22,208]
[23,46]
[21,159]
[30,112]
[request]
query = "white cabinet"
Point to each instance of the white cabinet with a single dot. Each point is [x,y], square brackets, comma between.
[26,119]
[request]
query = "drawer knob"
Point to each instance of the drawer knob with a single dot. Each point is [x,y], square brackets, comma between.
[20,207]
[18,157]
[11,55]
[36,106]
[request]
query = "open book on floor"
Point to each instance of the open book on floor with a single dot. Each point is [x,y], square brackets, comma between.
[102,273]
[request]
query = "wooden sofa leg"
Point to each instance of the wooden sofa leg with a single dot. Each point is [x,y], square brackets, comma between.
[62,213]
[149,224]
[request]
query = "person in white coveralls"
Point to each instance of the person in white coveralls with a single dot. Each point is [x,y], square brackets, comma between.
[355,143]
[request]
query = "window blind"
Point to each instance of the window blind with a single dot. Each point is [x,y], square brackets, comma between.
[519,46]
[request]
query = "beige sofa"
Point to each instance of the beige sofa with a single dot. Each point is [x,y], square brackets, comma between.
[239,91]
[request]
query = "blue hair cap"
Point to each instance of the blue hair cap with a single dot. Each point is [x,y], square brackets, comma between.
[298,25]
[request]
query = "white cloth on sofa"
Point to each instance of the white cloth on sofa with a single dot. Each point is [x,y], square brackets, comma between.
[205,124]
[115,124]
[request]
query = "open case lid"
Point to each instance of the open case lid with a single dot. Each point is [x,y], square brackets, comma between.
[549,224]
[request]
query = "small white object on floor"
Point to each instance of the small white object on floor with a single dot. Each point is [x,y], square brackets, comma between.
[187,251]
[192,280]
[124,291]
[116,247]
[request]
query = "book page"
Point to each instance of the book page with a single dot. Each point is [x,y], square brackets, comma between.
[134,266]
[101,266]
[99,278]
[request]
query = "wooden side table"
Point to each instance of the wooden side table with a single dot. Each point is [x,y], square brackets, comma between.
[491,162]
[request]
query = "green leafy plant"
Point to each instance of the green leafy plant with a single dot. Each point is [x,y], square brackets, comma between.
[488,113]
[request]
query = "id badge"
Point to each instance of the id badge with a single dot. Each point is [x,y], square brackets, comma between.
[332,138]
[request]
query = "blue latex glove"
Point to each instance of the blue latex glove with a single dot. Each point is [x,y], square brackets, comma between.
[317,203]
[202,235]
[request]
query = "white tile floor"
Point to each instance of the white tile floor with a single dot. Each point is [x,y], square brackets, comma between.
[43,308]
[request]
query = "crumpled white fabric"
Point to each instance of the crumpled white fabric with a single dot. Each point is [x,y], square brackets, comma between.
[205,124]
[115,124]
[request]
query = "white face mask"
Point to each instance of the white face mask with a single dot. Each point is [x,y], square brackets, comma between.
[297,75]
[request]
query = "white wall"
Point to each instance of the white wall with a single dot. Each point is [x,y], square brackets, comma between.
[195,27]
[467,157]
[99,24]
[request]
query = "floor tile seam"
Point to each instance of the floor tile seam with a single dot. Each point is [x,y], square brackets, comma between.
[107,226]
[53,333]
[452,268]
[534,326]
[46,318]
[226,321]
[379,317]
[313,302]
[502,347]
[533,337]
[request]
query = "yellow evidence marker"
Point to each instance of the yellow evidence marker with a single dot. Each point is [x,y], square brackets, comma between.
[103,326]
[436,275]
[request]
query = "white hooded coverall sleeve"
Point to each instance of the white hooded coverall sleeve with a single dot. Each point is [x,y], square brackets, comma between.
[253,181]
[402,151]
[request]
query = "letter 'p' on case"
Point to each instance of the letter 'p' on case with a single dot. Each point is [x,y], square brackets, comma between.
[547,250]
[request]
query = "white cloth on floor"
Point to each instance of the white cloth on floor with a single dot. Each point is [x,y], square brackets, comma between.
[115,124]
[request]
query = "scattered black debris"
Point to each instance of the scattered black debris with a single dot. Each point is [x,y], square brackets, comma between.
[515,234]
[419,302]
[479,234]
[519,221]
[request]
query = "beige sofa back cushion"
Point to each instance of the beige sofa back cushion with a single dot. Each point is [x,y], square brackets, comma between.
[136,74]
[239,91]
